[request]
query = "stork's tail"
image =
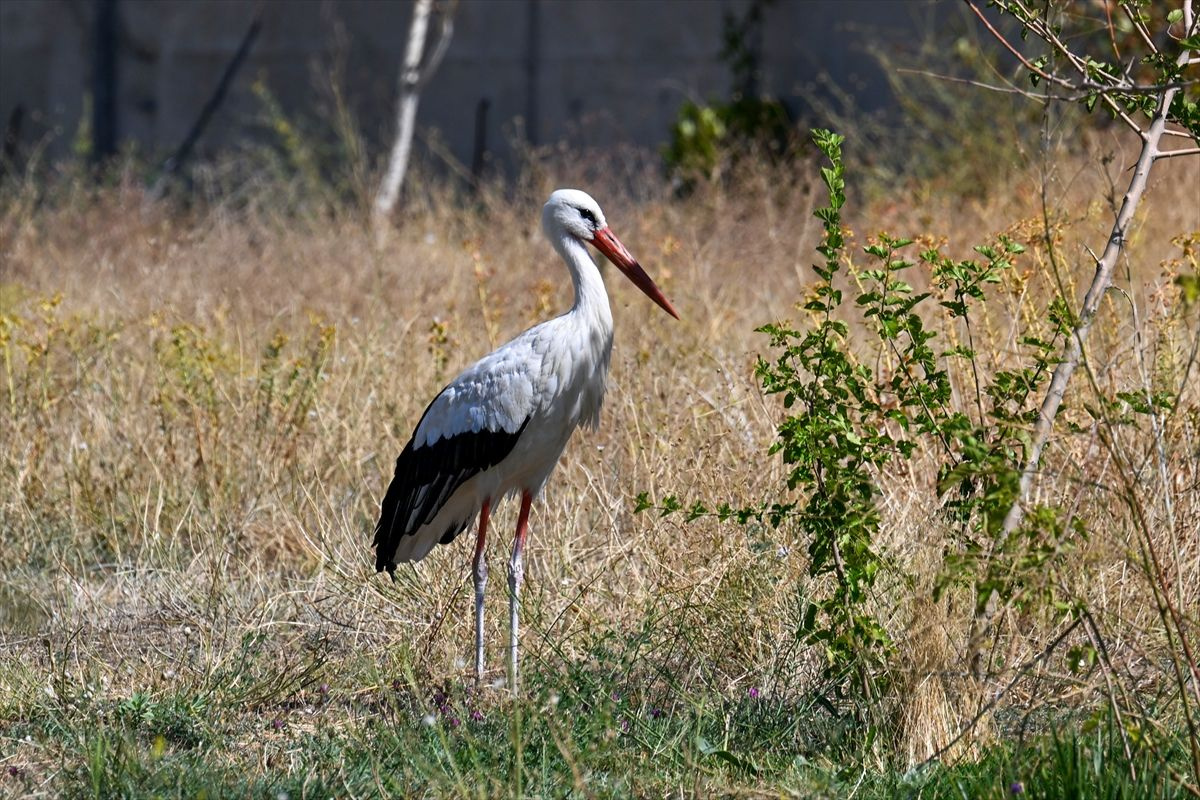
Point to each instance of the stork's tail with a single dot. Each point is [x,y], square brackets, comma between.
[400,538]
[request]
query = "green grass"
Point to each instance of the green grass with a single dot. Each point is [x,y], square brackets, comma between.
[612,721]
[583,729]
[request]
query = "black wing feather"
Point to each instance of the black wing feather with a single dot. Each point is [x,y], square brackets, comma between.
[425,479]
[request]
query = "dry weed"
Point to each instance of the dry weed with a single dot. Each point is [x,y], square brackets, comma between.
[201,409]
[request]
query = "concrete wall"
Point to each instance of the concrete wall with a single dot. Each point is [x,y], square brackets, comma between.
[603,71]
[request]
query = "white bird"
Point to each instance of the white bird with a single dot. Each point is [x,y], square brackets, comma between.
[500,426]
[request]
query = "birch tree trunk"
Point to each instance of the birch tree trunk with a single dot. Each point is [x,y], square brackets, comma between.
[411,79]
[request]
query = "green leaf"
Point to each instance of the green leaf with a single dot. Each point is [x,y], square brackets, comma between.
[670,505]
[708,749]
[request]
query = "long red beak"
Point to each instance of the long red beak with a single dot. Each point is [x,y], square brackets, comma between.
[607,242]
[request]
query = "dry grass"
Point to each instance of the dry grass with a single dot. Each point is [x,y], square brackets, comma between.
[183,511]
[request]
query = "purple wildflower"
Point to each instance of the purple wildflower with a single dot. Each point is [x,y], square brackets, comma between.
[624,726]
[1016,788]
[656,713]
[754,693]
[277,724]
[476,715]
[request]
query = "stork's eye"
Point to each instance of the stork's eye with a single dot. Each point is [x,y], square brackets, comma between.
[587,214]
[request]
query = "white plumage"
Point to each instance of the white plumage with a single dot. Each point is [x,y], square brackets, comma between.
[501,426]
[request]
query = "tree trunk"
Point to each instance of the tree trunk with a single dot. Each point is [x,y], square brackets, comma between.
[406,109]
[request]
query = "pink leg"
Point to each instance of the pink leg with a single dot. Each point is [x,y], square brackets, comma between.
[481,574]
[516,574]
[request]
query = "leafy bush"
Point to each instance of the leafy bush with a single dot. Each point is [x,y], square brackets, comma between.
[707,138]
[856,412]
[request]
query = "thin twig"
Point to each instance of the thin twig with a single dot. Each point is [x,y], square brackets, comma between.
[1138,26]
[1106,668]
[1046,34]
[1112,31]
[1029,65]
[991,87]
[1191,151]
[1083,90]
[1028,665]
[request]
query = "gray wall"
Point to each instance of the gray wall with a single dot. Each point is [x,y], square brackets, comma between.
[608,71]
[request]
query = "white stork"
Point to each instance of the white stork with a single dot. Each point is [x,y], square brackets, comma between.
[500,427]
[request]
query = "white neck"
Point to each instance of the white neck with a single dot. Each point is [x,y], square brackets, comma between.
[591,300]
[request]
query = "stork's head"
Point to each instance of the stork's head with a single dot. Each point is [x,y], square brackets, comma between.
[576,214]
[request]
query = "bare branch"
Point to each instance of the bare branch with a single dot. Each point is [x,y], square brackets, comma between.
[1091,87]
[1049,77]
[1029,65]
[1190,151]
[1112,31]
[445,32]
[174,165]
[1083,90]
[991,87]
[1139,27]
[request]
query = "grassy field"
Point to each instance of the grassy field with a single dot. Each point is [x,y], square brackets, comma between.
[201,408]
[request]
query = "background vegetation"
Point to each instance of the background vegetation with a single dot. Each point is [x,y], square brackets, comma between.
[202,403]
